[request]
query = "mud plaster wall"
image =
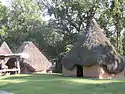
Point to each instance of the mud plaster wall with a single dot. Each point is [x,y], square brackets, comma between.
[92,71]
[66,72]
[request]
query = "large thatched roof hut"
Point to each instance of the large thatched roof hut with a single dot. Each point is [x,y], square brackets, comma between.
[92,55]
[33,59]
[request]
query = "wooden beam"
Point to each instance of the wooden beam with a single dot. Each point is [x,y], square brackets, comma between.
[7,70]
[18,65]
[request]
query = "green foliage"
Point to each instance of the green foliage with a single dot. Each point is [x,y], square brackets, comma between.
[24,20]
[3,21]
[71,17]
[114,17]
[3,30]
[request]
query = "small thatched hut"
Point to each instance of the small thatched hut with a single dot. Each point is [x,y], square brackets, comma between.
[9,62]
[33,59]
[93,56]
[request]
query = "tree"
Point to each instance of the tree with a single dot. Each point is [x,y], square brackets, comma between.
[3,21]
[24,20]
[71,17]
[123,43]
[113,16]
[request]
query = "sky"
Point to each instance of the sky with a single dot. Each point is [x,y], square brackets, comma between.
[6,2]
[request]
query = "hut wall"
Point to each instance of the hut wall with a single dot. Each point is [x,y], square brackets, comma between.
[66,72]
[92,71]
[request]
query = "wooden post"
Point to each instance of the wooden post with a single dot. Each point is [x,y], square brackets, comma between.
[18,65]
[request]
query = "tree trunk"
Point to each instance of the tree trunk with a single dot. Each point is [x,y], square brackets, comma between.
[117,40]
[123,45]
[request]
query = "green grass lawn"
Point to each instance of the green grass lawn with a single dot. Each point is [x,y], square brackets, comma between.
[57,84]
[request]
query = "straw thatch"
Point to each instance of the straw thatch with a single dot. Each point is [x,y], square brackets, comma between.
[94,48]
[2,51]
[34,60]
[6,48]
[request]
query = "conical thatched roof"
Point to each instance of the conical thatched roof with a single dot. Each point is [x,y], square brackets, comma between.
[94,48]
[2,51]
[33,57]
[6,48]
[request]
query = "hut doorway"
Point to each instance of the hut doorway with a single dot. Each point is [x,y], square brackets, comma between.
[79,70]
[11,64]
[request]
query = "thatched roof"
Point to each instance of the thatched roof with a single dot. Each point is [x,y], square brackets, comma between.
[33,57]
[94,48]
[6,48]
[2,51]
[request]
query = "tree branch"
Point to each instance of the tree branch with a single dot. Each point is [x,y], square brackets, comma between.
[72,23]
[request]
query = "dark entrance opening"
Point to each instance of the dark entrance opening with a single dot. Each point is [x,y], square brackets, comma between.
[79,71]
[11,63]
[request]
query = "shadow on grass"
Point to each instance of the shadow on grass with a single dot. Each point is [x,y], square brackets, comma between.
[34,76]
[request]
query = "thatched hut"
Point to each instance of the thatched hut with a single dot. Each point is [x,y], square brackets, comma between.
[32,59]
[5,48]
[93,56]
[10,62]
